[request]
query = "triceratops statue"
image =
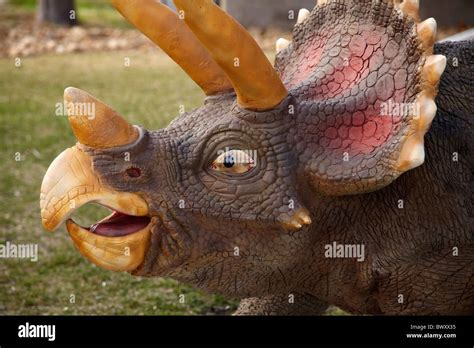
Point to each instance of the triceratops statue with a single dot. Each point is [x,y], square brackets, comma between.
[295,179]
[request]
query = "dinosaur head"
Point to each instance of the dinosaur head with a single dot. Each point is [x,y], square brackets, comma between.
[217,185]
[218,198]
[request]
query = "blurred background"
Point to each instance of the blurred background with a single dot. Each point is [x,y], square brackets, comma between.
[32,27]
[48,45]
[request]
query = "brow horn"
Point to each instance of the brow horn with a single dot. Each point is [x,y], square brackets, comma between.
[94,123]
[174,37]
[255,81]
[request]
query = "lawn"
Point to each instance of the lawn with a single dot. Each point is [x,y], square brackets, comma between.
[148,92]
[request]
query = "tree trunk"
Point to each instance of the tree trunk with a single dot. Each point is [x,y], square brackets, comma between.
[60,12]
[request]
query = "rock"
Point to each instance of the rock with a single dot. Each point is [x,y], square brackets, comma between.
[113,44]
[50,45]
[77,33]
[60,49]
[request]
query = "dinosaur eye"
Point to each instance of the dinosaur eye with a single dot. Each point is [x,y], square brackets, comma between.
[233,161]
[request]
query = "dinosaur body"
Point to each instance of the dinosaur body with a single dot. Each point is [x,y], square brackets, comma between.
[251,194]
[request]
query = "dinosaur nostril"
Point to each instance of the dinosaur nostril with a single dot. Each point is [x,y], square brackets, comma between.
[134,172]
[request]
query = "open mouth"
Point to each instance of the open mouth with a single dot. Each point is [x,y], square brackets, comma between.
[117,242]
[119,224]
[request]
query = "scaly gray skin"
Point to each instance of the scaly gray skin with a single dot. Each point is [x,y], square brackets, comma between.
[409,251]
[223,232]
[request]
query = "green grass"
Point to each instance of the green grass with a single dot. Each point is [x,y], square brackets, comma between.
[148,93]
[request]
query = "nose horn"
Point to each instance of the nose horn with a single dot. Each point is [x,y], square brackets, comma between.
[94,123]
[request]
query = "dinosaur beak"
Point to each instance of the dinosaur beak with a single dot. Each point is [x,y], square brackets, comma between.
[119,241]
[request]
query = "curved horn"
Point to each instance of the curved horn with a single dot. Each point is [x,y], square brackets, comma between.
[174,37]
[255,81]
[95,124]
